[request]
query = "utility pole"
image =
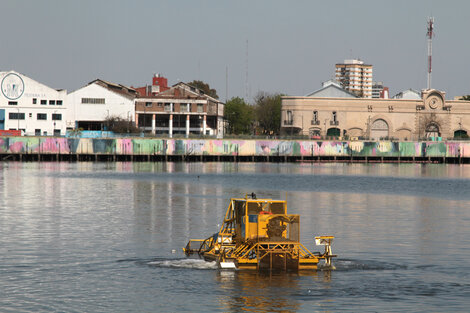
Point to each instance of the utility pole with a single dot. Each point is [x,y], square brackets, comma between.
[430,34]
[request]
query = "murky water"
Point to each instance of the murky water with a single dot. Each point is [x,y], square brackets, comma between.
[85,237]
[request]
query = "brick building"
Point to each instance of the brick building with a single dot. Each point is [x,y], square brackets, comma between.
[181,109]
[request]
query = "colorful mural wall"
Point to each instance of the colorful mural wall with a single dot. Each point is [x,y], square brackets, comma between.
[143,146]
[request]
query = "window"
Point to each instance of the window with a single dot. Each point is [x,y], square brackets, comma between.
[315,120]
[56,132]
[16,116]
[200,108]
[183,107]
[12,102]
[148,104]
[168,107]
[51,102]
[35,100]
[42,116]
[334,119]
[59,102]
[37,132]
[30,114]
[159,104]
[56,117]
[93,101]
[43,102]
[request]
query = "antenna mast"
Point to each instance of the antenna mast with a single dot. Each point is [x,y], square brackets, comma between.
[430,34]
[246,72]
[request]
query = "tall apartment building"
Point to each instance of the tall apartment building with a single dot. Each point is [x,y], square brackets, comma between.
[356,77]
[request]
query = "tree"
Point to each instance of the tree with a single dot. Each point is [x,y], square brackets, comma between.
[268,113]
[239,116]
[120,125]
[466,98]
[199,84]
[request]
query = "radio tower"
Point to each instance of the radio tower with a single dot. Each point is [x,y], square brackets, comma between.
[430,34]
[246,73]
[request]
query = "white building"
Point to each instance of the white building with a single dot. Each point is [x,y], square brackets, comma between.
[30,106]
[356,77]
[92,104]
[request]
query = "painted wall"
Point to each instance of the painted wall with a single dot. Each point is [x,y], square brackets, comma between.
[143,146]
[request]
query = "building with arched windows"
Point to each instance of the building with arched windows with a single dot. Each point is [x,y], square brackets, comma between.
[431,116]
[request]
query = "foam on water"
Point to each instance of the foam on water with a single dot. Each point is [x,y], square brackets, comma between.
[365,265]
[184,263]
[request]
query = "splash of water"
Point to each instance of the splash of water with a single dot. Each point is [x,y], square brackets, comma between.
[184,263]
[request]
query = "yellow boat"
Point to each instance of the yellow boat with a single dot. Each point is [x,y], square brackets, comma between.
[258,234]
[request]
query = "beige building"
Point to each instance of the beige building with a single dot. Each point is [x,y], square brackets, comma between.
[403,119]
[356,77]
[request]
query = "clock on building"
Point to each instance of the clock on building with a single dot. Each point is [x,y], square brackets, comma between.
[12,86]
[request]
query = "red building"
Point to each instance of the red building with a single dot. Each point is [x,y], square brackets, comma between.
[159,84]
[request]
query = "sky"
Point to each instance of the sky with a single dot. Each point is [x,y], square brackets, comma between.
[238,47]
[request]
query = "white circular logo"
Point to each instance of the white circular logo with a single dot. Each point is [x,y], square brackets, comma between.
[12,86]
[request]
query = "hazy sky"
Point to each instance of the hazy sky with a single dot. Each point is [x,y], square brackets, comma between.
[292,45]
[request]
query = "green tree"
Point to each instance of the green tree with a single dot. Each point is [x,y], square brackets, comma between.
[466,98]
[239,116]
[199,84]
[268,113]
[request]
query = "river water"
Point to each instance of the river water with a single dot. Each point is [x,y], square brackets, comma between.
[107,237]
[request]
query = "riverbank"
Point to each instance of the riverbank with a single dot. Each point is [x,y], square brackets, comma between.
[181,150]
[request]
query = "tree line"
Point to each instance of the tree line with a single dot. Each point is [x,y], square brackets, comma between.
[261,118]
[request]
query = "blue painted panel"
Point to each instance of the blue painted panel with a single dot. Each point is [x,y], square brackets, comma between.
[253,218]
[2,119]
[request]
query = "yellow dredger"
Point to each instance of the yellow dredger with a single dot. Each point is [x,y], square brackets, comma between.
[259,234]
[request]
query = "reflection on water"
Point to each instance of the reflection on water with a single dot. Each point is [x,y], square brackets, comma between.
[261,292]
[401,235]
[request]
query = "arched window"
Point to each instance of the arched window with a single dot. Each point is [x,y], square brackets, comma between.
[379,129]
[432,130]
[333,132]
[458,134]
[314,132]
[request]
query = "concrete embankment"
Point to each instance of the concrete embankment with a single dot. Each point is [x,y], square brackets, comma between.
[154,149]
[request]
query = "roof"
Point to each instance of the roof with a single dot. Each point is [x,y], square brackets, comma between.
[195,90]
[188,91]
[331,89]
[409,94]
[117,88]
